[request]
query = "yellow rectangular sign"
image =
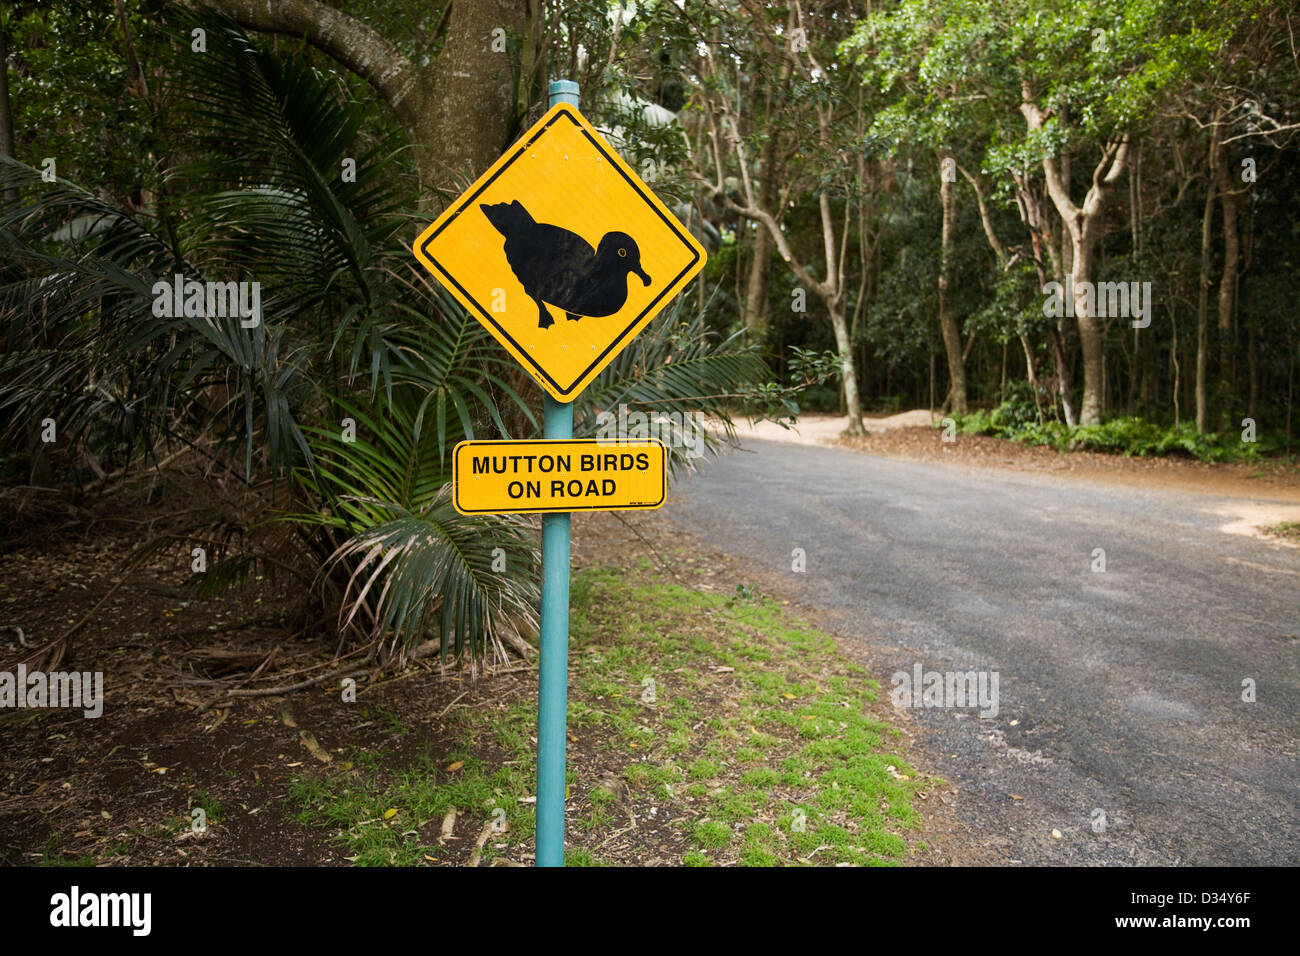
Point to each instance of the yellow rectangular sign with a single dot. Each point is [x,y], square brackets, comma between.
[545,475]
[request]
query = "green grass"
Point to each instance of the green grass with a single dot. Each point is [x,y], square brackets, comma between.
[758,744]
[792,680]
[391,722]
[764,778]
[762,846]
[356,802]
[712,834]
[704,769]
[50,856]
[213,811]
[639,775]
[1285,529]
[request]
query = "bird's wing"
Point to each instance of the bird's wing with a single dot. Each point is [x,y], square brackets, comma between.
[561,260]
[563,244]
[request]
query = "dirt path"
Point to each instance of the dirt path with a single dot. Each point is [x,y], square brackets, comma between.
[1269,491]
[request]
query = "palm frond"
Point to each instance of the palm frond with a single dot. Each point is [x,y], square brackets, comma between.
[676,366]
[83,338]
[436,567]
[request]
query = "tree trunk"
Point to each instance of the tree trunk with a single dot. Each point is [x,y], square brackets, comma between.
[1090,339]
[1150,381]
[1202,314]
[1033,215]
[851,401]
[756,286]
[1290,392]
[1064,373]
[1031,374]
[760,268]
[1082,224]
[458,111]
[468,102]
[1056,333]
[1252,359]
[932,382]
[1173,358]
[1227,288]
[1134,367]
[947,322]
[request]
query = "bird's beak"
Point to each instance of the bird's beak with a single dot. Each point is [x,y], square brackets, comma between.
[645,279]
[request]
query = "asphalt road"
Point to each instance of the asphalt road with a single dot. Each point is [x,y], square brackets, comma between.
[1120,691]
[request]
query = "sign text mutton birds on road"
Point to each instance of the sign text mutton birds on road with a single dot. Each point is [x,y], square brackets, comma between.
[534,477]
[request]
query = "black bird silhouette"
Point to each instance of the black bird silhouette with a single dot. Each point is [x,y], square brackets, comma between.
[557,266]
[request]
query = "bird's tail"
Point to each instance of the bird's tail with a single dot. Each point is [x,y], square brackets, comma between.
[507,217]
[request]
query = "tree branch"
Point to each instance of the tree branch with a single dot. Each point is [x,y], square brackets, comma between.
[349,41]
[821,289]
[1035,118]
[986,220]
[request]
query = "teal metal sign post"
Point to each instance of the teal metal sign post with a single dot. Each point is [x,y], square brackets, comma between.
[553,676]
[464,251]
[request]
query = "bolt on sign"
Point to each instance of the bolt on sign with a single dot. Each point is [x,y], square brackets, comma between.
[534,477]
[561,251]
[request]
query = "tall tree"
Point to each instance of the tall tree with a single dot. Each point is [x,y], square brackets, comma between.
[1083,81]
[819,99]
[945,71]
[472,76]
[767,173]
[1084,224]
[947,323]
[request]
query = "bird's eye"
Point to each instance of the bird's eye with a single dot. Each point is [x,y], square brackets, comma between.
[622,252]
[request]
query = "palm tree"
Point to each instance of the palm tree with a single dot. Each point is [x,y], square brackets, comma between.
[288,185]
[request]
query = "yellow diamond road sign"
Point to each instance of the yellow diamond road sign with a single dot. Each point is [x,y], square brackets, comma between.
[540,475]
[561,251]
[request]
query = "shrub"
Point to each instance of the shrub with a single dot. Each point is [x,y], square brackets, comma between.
[1016,419]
